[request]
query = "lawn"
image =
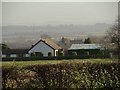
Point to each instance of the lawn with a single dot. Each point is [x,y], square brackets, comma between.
[24,63]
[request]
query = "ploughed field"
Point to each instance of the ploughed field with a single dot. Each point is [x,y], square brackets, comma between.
[83,73]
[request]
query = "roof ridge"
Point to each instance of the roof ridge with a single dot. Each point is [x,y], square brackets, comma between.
[49,42]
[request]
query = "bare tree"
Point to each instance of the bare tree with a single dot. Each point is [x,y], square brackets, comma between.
[112,39]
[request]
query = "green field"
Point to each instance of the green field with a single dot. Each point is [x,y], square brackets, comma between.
[24,63]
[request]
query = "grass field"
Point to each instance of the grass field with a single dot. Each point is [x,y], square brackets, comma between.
[24,63]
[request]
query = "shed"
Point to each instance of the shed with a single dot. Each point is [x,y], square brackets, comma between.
[82,48]
[15,53]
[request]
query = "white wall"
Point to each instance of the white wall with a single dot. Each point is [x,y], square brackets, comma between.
[42,47]
[56,51]
[13,55]
[26,55]
[3,55]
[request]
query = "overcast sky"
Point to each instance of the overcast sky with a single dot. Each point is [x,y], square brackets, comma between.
[41,13]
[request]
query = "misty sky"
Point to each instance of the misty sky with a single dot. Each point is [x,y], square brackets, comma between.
[41,13]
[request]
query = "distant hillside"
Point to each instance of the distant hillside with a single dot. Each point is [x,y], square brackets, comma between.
[25,34]
[99,27]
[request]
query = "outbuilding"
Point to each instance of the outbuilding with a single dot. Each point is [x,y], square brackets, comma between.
[82,49]
[15,53]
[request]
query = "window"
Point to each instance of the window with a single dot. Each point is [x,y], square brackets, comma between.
[3,55]
[13,55]
[49,54]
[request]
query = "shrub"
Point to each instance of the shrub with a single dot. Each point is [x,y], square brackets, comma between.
[39,54]
[33,54]
[61,54]
[6,74]
[86,53]
[36,54]
[49,54]
[74,53]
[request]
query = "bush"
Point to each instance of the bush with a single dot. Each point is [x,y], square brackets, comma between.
[63,75]
[74,53]
[6,74]
[49,54]
[33,54]
[36,54]
[61,54]
[86,53]
[39,54]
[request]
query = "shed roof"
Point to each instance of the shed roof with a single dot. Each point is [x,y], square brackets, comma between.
[84,46]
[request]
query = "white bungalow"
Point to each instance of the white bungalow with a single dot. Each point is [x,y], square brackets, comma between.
[46,46]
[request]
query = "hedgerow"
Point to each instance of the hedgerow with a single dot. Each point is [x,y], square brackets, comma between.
[63,75]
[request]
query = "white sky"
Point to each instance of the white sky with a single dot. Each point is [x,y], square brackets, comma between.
[43,13]
[60,0]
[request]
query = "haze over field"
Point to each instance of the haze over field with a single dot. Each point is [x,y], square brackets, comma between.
[25,22]
[23,35]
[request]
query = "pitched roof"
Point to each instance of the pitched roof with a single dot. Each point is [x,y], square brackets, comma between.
[49,42]
[15,51]
[65,47]
[52,43]
[84,46]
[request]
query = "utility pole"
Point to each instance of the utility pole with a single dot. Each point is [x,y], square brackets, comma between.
[118,45]
[119,30]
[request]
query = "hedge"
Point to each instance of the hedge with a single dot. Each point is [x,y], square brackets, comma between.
[54,57]
[63,75]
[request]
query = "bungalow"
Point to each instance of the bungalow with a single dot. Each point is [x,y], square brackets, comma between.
[46,46]
[81,49]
